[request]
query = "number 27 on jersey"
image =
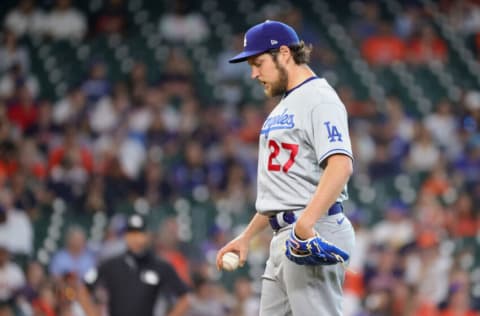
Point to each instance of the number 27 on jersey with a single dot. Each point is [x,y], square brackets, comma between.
[275,149]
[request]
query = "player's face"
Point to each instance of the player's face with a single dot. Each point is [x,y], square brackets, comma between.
[267,70]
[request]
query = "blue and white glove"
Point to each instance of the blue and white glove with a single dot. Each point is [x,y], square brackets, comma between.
[313,251]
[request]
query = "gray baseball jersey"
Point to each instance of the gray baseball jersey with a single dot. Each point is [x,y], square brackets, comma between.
[307,126]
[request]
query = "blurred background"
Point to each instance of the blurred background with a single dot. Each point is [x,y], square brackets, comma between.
[110,107]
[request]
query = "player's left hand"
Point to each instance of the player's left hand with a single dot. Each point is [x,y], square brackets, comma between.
[313,251]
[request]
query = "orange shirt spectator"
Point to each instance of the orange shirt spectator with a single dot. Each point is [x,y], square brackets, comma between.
[427,47]
[384,48]
[72,149]
[83,154]
[463,221]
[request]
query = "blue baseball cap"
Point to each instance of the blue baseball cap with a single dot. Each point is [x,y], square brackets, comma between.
[264,37]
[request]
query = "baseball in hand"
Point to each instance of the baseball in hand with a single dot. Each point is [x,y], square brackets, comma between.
[230,261]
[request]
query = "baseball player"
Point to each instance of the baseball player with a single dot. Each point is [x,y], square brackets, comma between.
[304,163]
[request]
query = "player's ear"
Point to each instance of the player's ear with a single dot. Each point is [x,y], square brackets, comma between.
[285,52]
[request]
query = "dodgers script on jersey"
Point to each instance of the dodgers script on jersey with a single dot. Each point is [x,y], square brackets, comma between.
[307,126]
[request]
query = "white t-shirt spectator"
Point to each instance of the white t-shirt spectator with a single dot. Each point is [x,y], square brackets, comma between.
[104,117]
[9,58]
[18,225]
[66,24]
[23,23]
[7,85]
[423,156]
[11,280]
[184,28]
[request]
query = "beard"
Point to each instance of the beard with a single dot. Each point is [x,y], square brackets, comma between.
[278,87]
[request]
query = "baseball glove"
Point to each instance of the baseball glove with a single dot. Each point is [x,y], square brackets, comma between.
[313,251]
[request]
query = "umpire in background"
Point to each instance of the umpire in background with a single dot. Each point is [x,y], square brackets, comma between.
[135,280]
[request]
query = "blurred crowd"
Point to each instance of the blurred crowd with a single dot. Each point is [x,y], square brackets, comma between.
[107,143]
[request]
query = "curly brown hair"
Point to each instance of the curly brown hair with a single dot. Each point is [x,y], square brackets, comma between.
[300,52]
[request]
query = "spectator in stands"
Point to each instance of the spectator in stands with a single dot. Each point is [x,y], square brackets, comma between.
[11,53]
[396,219]
[112,18]
[97,84]
[168,246]
[403,125]
[382,165]
[65,22]
[423,153]
[73,149]
[153,184]
[113,243]
[192,170]
[23,110]
[14,222]
[35,277]
[204,300]
[16,77]
[71,109]
[182,25]
[12,278]
[138,79]
[25,19]
[463,16]
[443,126]
[427,271]
[46,303]
[162,137]
[459,302]
[74,258]
[8,157]
[384,48]
[23,195]
[117,185]
[94,201]
[251,122]
[437,183]
[43,132]
[110,112]
[246,302]
[462,220]
[426,47]
[30,161]
[407,22]
[367,24]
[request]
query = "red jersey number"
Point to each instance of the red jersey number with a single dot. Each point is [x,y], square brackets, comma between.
[275,151]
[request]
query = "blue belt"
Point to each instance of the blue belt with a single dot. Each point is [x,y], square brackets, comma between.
[283,219]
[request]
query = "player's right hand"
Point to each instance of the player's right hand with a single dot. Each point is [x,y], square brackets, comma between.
[239,245]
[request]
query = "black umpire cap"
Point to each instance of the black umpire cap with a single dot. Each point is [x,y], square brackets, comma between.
[136,223]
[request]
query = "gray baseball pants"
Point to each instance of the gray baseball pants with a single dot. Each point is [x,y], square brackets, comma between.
[291,289]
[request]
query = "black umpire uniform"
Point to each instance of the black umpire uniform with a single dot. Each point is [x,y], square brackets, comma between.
[135,280]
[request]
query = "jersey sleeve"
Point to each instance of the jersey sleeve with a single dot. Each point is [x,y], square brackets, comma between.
[329,132]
